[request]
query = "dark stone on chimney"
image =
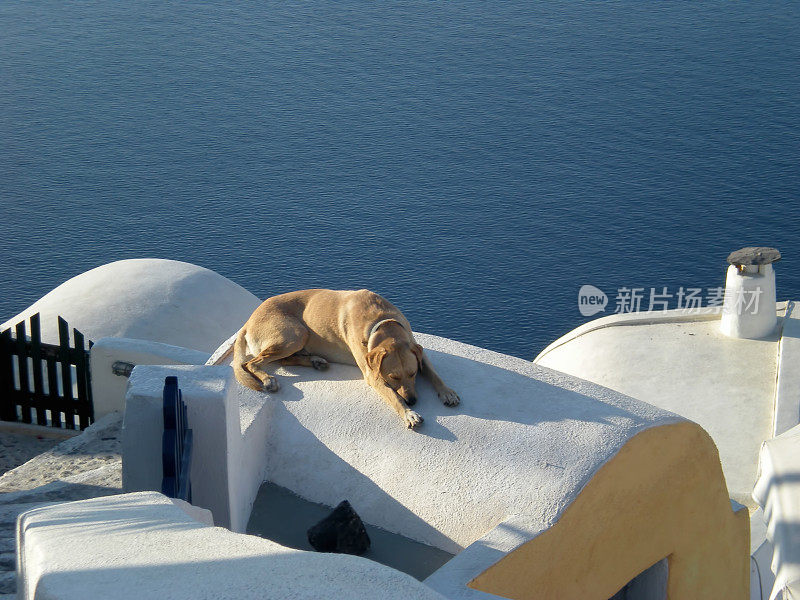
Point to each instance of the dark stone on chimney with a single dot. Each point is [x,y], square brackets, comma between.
[754,255]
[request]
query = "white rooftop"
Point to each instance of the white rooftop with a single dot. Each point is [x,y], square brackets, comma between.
[549,433]
[684,364]
[166,301]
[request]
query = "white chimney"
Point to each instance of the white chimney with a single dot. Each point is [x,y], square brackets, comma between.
[749,307]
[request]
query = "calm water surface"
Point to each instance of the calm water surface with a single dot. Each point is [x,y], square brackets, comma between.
[475,163]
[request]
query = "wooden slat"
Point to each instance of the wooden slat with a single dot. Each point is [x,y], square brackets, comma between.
[82,370]
[39,400]
[8,408]
[89,395]
[66,373]
[169,442]
[169,464]
[22,370]
[54,401]
[184,491]
[180,425]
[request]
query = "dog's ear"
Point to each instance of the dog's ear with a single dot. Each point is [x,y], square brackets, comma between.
[417,350]
[375,358]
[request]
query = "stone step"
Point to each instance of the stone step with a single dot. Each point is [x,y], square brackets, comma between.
[97,446]
[8,518]
[102,481]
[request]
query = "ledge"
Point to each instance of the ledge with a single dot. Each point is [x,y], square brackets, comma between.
[143,545]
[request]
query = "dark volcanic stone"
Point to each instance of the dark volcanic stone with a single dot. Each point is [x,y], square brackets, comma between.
[341,531]
[754,255]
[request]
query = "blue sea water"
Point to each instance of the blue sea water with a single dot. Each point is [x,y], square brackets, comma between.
[476,163]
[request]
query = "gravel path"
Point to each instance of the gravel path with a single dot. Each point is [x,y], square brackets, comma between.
[19,448]
[96,447]
[85,466]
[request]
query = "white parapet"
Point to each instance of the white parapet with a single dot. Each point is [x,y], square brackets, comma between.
[143,545]
[778,494]
[787,386]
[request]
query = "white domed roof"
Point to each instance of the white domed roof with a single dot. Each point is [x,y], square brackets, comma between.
[150,299]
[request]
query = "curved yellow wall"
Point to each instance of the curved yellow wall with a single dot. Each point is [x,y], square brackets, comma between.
[662,495]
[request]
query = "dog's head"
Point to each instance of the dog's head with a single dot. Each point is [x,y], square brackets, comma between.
[397,364]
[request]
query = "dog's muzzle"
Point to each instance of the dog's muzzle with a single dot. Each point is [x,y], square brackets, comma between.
[411,399]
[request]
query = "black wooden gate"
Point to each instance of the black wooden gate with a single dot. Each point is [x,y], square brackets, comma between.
[45,384]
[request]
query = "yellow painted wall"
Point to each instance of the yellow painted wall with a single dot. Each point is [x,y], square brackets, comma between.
[662,495]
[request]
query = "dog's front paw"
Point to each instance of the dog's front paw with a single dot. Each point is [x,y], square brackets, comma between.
[271,385]
[319,363]
[412,419]
[449,397]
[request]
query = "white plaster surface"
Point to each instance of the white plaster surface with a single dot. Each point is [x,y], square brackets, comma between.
[143,546]
[149,299]
[749,308]
[726,385]
[525,440]
[108,389]
[450,579]
[778,493]
[711,313]
[230,431]
[787,392]
[216,431]
[222,355]
[200,515]
[762,579]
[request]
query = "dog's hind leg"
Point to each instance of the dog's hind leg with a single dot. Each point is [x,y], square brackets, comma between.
[282,345]
[255,366]
[304,359]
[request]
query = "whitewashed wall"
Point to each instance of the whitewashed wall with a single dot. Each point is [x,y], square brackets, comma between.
[230,447]
[108,389]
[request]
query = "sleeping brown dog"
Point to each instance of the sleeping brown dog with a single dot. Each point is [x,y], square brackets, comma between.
[312,327]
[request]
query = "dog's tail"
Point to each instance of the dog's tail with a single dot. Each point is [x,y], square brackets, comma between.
[244,377]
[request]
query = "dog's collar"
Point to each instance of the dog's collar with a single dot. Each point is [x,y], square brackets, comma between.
[378,326]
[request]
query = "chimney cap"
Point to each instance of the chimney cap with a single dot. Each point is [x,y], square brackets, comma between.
[754,255]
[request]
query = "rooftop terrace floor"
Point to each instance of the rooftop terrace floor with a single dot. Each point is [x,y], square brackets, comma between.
[726,385]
